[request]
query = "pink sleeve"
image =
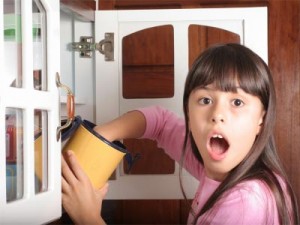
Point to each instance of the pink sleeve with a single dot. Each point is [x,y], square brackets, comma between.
[168,129]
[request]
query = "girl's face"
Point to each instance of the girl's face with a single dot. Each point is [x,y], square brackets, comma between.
[224,126]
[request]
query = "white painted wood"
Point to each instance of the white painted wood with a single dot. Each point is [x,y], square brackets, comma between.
[249,23]
[33,208]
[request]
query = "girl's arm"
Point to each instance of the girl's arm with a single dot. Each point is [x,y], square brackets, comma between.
[130,125]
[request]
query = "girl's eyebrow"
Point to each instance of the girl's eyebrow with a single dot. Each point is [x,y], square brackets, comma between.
[204,88]
[238,88]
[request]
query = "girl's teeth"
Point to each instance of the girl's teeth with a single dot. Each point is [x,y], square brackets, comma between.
[217,136]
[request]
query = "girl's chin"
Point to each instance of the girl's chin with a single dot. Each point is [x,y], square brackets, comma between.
[219,177]
[215,171]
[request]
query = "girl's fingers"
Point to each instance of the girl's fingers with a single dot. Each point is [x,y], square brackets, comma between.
[67,174]
[73,167]
[100,193]
[104,189]
[64,185]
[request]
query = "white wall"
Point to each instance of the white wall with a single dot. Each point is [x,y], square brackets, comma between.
[77,73]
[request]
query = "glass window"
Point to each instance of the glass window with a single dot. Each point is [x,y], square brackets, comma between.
[39,46]
[41,150]
[14,154]
[12,43]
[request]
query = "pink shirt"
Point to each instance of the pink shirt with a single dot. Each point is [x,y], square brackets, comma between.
[249,203]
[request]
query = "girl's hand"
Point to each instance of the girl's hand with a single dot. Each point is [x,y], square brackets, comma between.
[79,198]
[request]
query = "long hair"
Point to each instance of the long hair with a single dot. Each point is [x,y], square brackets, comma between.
[224,65]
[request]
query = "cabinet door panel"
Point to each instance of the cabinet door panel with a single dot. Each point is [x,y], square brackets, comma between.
[148,63]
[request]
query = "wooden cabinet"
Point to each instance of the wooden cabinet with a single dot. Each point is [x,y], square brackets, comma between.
[176,4]
[284,62]
[284,55]
[152,45]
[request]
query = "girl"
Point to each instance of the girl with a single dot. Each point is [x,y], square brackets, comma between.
[225,141]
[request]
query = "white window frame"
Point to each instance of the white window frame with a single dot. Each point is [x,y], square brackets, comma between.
[33,208]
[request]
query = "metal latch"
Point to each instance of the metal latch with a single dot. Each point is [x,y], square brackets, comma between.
[105,46]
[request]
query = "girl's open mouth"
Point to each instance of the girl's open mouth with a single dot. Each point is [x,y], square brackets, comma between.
[218,147]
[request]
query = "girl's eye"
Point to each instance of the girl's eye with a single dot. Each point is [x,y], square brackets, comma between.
[205,101]
[238,102]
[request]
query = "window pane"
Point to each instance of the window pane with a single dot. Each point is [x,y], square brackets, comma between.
[39,46]
[41,150]
[14,154]
[12,43]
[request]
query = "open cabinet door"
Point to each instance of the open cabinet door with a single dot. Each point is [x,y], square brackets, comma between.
[249,24]
[30,190]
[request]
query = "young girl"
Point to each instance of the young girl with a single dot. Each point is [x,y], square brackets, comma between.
[225,141]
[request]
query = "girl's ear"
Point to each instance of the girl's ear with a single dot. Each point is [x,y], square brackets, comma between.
[260,122]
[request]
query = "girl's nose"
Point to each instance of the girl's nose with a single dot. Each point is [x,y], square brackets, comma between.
[219,111]
[218,118]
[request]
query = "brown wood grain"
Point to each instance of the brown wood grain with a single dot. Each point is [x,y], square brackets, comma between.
[154,212]
[201,37]
[85,9]
[284,61]
[152,160]
[173,4]
[148,63]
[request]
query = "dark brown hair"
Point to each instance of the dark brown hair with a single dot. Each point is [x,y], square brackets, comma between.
[223,65]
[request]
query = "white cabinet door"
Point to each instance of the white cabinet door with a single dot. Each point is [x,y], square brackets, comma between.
[30,190]
[249,23]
